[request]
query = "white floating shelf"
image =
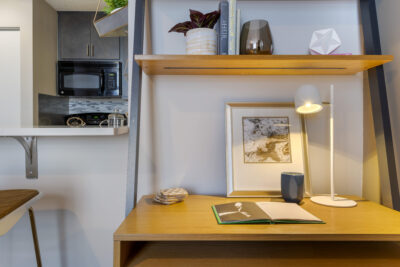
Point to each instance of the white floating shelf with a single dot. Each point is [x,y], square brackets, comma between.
[63,131]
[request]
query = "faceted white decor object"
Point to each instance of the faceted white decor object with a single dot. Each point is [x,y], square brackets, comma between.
[324,42]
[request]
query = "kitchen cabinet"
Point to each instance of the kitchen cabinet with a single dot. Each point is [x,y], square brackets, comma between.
[78,38]
[103,48]
[74,35]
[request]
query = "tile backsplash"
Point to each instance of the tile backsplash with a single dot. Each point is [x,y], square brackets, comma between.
[52,109]
[89,105]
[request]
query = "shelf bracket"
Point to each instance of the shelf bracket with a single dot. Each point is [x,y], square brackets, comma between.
[29,143]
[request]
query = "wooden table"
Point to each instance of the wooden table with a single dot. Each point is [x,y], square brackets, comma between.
[187,234]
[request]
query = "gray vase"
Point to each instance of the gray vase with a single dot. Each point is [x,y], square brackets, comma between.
[256,38]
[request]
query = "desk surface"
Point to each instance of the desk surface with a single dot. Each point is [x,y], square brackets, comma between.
[194,220]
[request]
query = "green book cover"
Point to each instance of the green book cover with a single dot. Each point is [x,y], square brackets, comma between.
[263,213]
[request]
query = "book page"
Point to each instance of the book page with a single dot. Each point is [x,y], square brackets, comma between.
[286,211]
[240,212]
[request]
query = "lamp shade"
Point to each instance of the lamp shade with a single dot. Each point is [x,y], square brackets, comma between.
[308,100]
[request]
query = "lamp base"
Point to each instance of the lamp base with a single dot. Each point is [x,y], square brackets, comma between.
[339,202]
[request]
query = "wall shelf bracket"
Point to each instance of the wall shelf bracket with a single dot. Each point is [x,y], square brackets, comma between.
[29,143]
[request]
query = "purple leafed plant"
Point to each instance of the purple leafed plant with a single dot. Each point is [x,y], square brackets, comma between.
[197,20]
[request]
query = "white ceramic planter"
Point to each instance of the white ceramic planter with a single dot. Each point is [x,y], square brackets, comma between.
[201,41]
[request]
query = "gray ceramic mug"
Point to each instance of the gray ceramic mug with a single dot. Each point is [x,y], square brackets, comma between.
[256,38]
[292,186]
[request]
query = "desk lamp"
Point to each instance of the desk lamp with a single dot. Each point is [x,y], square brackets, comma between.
[308,101]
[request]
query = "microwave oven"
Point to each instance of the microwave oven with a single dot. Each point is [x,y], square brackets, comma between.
[89,78]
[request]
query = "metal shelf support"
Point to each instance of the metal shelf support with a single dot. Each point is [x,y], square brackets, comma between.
[380,107]
[136,97]
[29,143]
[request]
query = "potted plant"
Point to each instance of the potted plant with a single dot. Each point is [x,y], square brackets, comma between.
[114,5]
[201,38]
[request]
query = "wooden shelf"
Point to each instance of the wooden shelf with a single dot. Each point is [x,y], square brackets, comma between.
[258,65]
[256,254]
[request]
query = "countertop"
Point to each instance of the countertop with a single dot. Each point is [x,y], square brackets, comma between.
[63,131]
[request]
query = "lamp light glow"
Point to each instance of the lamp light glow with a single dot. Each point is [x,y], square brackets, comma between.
[308,100]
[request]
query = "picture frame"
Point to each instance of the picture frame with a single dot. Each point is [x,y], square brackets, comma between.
[262,141]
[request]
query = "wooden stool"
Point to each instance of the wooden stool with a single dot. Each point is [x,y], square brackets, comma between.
[13,205]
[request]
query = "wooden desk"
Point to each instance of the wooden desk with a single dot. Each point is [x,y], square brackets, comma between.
[154,234]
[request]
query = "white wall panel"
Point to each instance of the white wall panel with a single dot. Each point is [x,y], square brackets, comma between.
[10,78]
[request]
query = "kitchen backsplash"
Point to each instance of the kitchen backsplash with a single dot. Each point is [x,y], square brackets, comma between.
[52,109]
[89,105]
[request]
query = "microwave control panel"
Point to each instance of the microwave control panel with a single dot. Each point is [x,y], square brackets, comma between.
[111,81]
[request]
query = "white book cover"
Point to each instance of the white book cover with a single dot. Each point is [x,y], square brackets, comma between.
[238,28]
[232,27]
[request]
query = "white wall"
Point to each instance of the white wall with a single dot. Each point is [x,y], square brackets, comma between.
[19,14]
[45,45]
[37,55]
[10,78]
[183,140]
[83,182]
[390,40]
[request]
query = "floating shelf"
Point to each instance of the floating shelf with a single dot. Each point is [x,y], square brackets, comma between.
[113,25]
[258,65]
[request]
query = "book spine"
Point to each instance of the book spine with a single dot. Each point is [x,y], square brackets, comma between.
[217,28]
[232,27]
[238,32]
[223,28]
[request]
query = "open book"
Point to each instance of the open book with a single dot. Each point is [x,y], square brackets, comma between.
[262,212]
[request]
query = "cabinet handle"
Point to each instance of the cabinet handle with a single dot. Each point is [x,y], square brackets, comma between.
[92,50]
[88,50]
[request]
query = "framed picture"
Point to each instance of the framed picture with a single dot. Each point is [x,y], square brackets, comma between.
[262,141]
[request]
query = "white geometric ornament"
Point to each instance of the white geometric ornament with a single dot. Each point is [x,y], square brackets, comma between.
[324,42]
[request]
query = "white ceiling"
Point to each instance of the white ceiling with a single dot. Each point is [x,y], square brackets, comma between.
[75,5]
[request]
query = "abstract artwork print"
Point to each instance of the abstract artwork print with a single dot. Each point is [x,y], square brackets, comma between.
[266,140]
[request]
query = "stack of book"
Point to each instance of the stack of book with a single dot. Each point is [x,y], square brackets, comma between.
[229,28]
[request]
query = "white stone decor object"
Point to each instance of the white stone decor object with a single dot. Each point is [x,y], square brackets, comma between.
[324,42]
[201,41]
[170,196]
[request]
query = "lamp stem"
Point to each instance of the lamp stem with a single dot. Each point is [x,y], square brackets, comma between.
[332,144]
